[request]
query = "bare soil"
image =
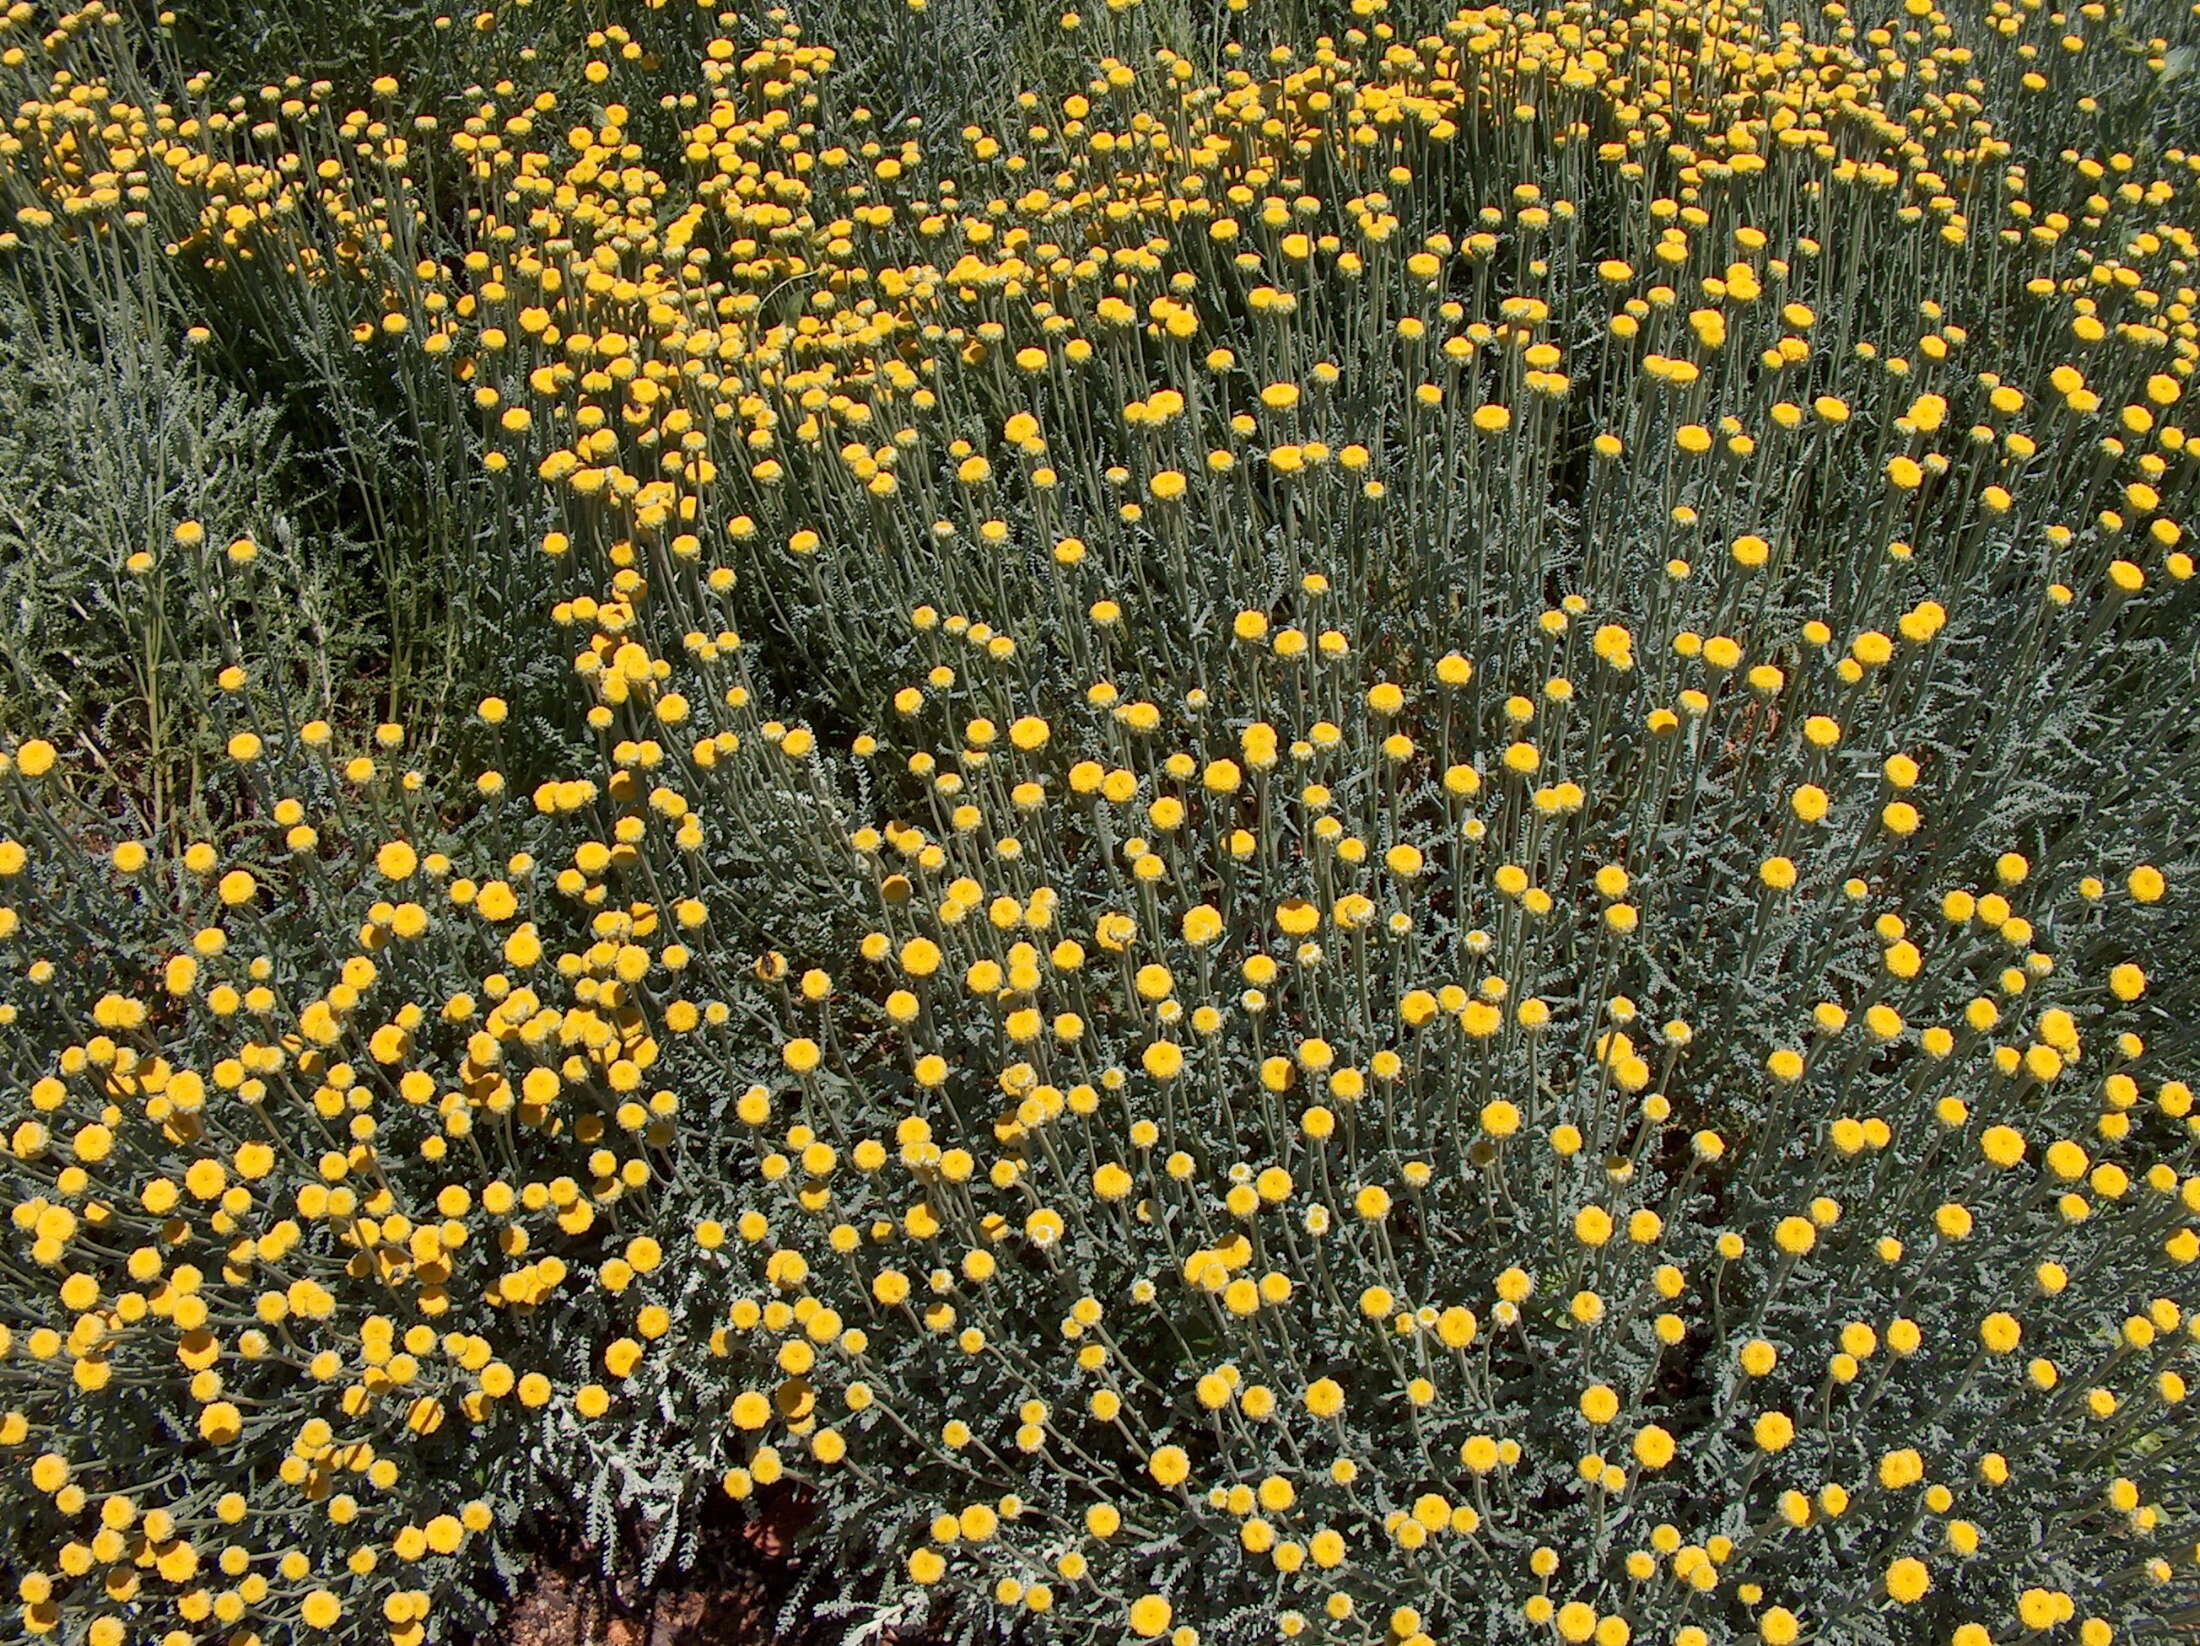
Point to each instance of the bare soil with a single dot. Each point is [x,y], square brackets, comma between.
[732,1596]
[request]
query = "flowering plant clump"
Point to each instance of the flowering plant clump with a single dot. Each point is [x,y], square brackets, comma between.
[1377,830]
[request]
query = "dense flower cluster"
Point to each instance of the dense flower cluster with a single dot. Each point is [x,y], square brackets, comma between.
[1510,955]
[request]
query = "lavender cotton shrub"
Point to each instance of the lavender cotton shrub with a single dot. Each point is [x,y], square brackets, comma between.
[1381,834]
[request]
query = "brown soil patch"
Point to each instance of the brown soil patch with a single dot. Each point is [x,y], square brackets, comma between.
[563,1607]
[732,1597]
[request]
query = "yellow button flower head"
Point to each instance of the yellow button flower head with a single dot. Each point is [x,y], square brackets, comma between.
[220,1423]
[1908,1581]
[1163,1059]
[320,1610]
[1202,924]
[1150,1616]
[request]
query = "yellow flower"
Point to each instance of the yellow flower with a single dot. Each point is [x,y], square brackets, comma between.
[1908,1581]
[1150,1616]
[220,1423]
[320,1610]
[1201,924]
